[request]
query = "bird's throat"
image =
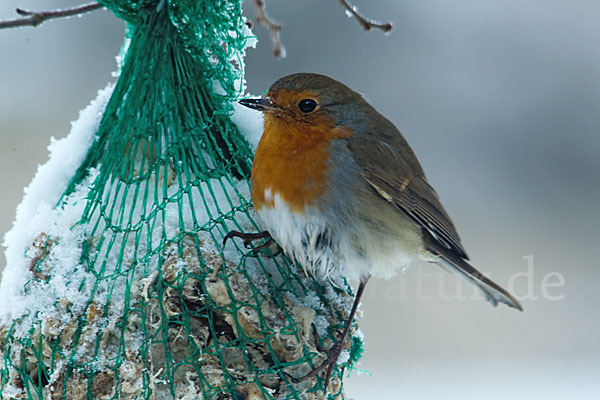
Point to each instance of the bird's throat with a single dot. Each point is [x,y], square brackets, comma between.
[291,161]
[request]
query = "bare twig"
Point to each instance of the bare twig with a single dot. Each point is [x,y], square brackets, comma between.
[365,22]
[33,18]
[275,27]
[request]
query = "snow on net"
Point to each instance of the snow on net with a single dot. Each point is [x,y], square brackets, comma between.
[117,283]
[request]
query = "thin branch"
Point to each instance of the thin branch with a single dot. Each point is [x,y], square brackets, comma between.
[33,18]
[275,27]
[365,22]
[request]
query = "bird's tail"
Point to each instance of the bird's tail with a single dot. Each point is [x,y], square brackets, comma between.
[460,267]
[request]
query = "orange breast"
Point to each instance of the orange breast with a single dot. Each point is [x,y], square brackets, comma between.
[291,160]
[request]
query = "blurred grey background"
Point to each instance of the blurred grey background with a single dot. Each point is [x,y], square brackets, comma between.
[500,100]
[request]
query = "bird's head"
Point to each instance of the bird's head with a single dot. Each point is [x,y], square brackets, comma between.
[309,101]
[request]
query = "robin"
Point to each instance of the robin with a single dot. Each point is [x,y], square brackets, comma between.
[339,189]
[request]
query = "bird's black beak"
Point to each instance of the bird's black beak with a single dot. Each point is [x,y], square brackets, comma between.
[257,104]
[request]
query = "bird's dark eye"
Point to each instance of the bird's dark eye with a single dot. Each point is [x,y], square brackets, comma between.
[307,105]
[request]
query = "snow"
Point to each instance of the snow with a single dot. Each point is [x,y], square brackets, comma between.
[38,212]
[250,122]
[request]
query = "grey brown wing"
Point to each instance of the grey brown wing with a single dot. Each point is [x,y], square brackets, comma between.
[399,179]
[390,167]
[419,201]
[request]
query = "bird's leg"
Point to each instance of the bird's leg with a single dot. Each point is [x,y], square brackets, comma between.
[334,352]
[250,237]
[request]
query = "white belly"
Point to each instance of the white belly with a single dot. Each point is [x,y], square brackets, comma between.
[330,250]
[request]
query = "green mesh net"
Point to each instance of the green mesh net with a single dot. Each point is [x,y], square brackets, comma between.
[129,292]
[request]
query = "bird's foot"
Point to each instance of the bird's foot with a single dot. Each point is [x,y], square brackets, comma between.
[334,353]
[328,364]
[250,237]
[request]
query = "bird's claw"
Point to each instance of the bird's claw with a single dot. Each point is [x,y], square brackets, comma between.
[248,238]
[330,361]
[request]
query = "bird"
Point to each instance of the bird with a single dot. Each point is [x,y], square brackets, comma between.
[338,188]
